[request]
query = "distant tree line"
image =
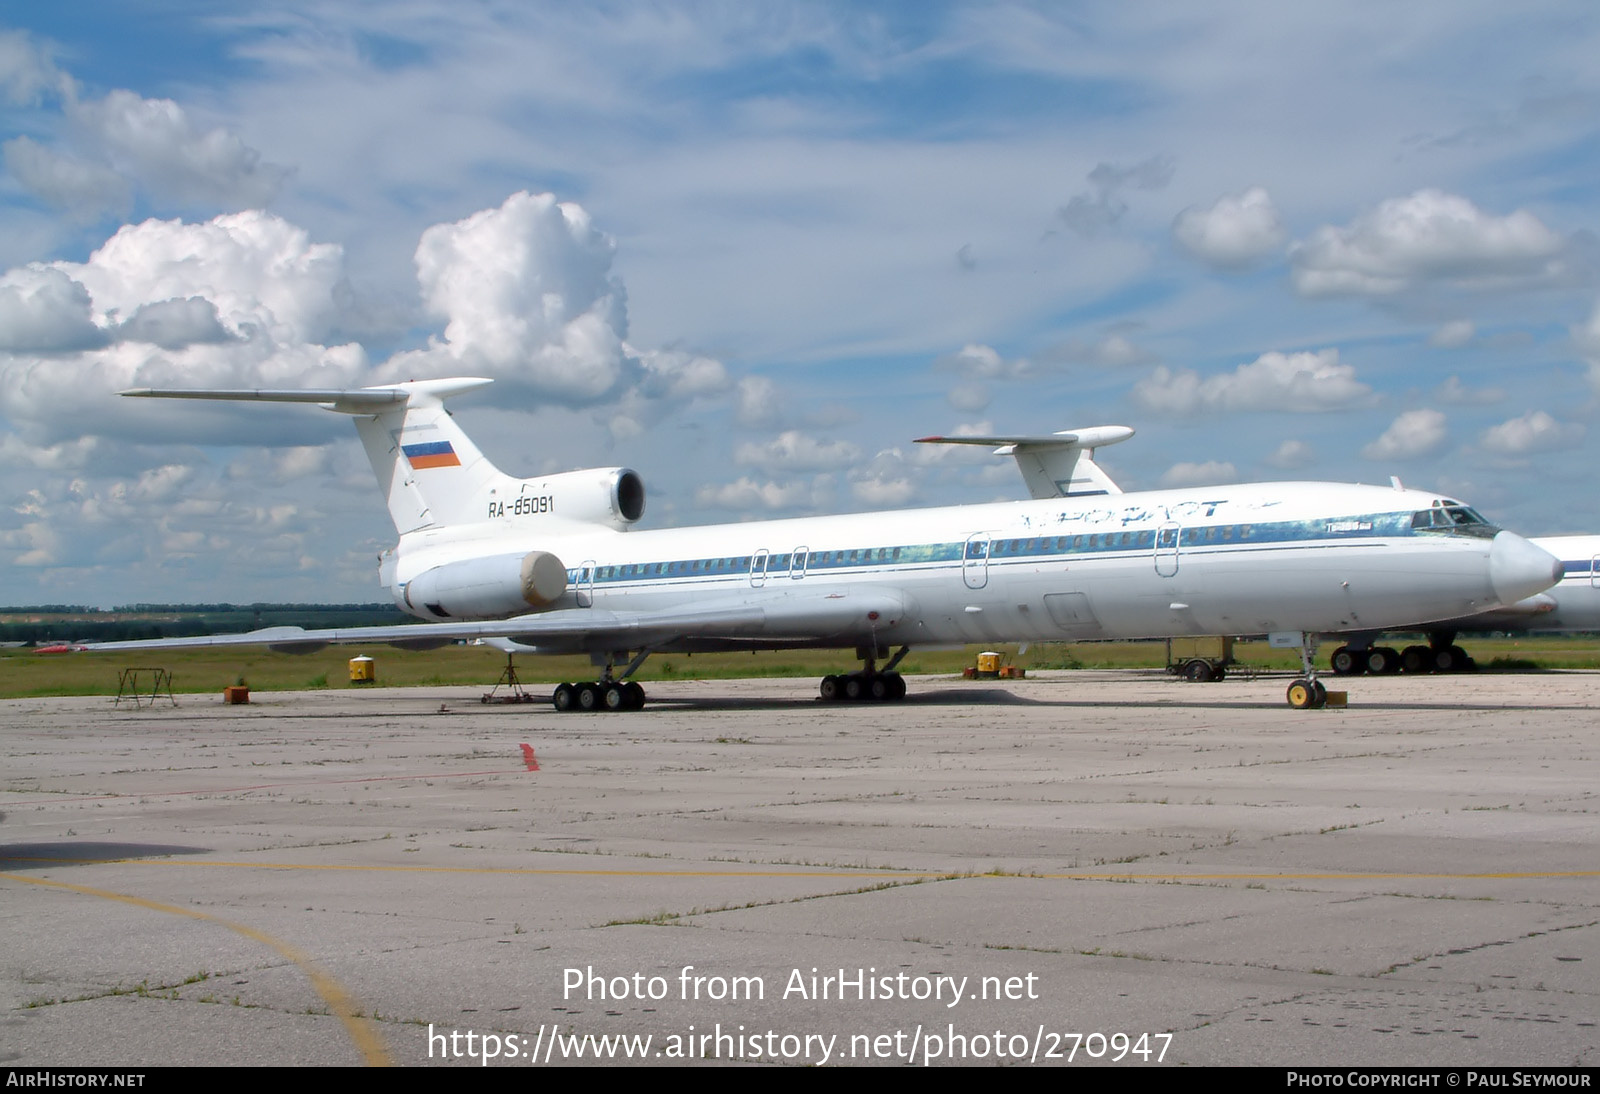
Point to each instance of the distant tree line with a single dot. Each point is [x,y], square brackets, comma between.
[186,620]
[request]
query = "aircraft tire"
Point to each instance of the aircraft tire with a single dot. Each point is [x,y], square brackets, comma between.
[614,697]
[1417,659]
[564,698]
[855,688]
[1348,662]
[1301,695]
[879,688]
[1383,661]
[831,689]
[635,696]
[897,686]
[1320,695]
[588,698]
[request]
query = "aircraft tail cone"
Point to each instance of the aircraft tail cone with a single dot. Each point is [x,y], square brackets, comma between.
[1518,569]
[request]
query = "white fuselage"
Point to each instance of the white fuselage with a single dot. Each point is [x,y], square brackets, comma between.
[1242,559]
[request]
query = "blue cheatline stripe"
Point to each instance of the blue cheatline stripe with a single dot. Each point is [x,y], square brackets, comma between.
[1010,548]
[428,448]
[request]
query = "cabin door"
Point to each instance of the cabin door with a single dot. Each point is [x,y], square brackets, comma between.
[975,561]
[758,568]
[1168,536]
[586,584]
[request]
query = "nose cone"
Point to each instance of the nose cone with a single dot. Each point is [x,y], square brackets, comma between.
[1518,569]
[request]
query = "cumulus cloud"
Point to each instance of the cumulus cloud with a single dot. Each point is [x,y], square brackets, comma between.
[747,493]
[82,187]
[793,450]
[1234,233]
[1428,236]
[661,381]
[757,402]
[173,324]
[1210,473]
[1302,382]
[1112,351]
[1454,391]
[1534,431]
[885,481]
[263,275]
[983,362]
[1414,433]
[239,300]
[43,310]
[248,300]
[1587,338]
[110,145]
[156,141]
[969,398]
[71,455]
[1292,455]
[527,295]
[883,492]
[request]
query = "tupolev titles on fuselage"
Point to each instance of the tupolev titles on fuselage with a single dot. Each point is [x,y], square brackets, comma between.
[556,563]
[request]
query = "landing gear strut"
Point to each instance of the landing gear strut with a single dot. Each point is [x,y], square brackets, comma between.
[609,693]
[868,683]
[1308,693]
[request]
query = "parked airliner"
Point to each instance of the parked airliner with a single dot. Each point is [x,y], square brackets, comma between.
[555,562]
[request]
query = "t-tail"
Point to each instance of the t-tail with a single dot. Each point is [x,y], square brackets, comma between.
[432,475]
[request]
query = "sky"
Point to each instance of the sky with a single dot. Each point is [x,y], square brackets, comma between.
[753,250]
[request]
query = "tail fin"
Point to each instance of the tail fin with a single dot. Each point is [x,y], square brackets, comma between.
[1056,465]
[431,473]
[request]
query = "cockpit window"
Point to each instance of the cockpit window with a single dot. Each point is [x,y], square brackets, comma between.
[1453,518]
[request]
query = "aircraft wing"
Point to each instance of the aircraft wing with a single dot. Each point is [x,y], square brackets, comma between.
[842,615]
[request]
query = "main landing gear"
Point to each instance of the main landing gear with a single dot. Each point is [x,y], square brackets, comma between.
[869,682]
[1441,654]
[1308,693]
[609,693]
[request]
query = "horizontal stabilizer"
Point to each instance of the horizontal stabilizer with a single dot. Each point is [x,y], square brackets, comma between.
[361,400]
[1054,465]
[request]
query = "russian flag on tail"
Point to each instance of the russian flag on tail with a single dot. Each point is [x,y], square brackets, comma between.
[431,454]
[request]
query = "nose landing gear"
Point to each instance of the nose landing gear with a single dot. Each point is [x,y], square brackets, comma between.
[1307,693]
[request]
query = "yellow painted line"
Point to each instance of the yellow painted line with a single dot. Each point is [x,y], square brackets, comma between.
[840,872]
[362,1032]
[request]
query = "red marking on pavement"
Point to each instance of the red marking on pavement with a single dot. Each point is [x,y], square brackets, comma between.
[529,758]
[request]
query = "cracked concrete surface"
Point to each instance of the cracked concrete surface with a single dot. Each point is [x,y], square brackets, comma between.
[1413,880]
